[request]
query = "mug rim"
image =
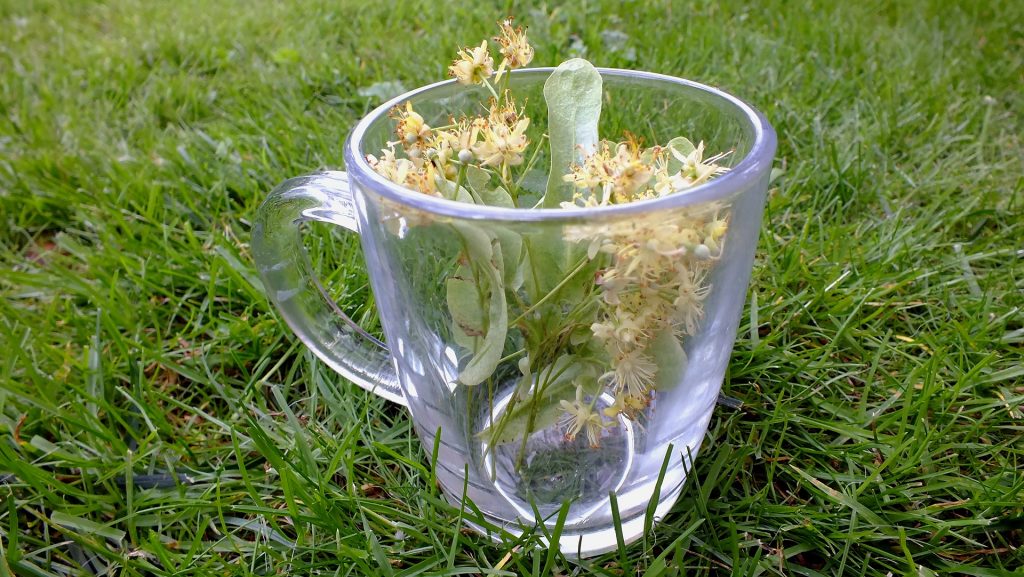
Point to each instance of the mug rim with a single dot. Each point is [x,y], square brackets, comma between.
[740,177]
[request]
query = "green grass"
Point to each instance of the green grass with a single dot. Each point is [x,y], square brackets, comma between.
[157,418]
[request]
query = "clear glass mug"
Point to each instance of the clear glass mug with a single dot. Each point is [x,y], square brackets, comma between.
[507,441]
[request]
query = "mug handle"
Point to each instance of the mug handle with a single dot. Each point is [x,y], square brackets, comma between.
[297,293]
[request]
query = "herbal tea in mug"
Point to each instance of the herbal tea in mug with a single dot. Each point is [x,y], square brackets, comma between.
[560,258]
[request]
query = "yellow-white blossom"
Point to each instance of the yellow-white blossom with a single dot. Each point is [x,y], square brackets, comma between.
[580,416]
[655,284]
[394,169]
[635,372]
[612,177]
[452,145]
[515,48]
[413,133]
[695,170]
[421,176]
[629,173]
[504,136]
[691,290]
[502,146]
[626,404]
[473,66]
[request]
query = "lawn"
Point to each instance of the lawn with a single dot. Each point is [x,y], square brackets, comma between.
[157,417]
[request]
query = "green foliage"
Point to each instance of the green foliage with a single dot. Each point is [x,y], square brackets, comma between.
[487,270]
[147,390]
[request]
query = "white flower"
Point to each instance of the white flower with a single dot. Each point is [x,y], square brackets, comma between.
[634,373]
[502,145]
[696,170]
[473,65]
[689,302]
[413,133]
[514,46]
[580,416]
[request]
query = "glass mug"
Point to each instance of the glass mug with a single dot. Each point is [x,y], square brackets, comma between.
[520,473]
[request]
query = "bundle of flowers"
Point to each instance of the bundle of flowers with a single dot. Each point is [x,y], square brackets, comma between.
[603,309]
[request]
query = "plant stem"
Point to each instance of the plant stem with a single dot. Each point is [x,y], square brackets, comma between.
[511,356]
[458,184]
[534,408]
[583,263]
[531,162]
[490,88]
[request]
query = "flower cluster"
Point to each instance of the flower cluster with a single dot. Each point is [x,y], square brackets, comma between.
[475,65]
[623,172]
[496,141]
[617,177]
[414,174]
[656,283]
[504,135]
[695,170]
[653,271]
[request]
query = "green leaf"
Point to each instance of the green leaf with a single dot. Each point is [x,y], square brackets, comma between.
[670,358]
[448,190]
[544,263]
[479,182]
[484,253]
[512,426]
[532,184]
[465,307]
[85,526]
[683,147]
[550,262]
[497,196]
[512,256]
[511,241]
[573,95]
